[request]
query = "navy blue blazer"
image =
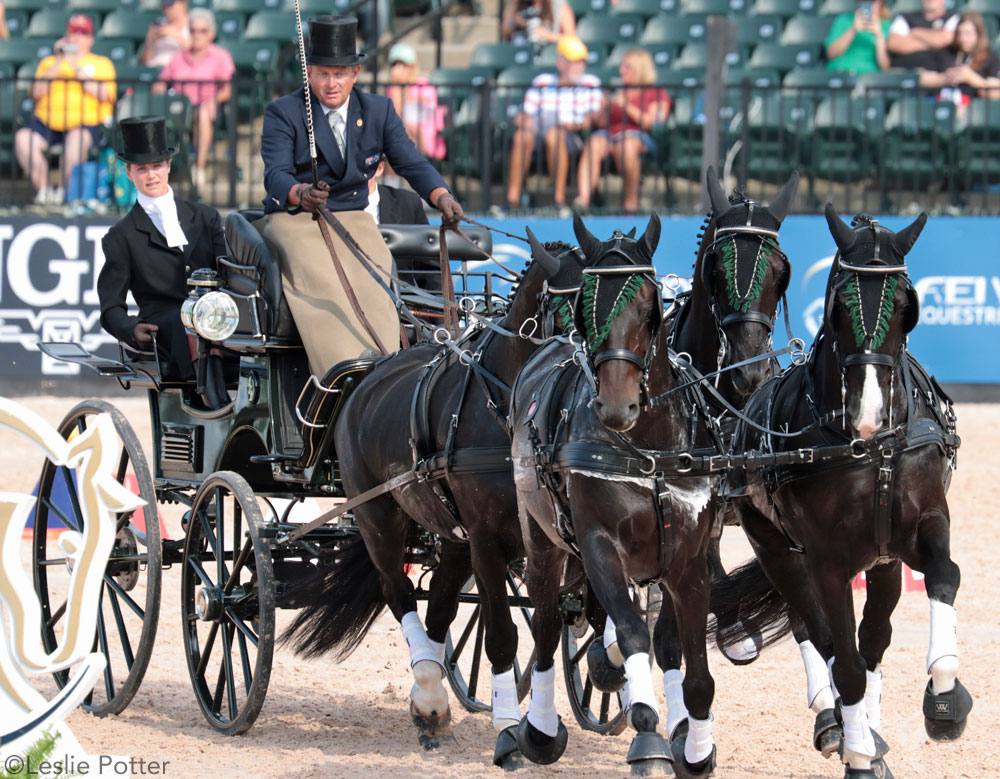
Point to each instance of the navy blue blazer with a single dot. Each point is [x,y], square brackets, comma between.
[373,127]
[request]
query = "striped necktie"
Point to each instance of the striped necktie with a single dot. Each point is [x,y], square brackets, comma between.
[337,125]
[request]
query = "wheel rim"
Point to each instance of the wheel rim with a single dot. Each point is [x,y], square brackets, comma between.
[227,601]
[468,667]
[130,595]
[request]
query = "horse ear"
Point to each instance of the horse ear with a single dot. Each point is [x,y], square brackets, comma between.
[588,241]
[720,203]
[905,238]
[630,233]
[780,205]
[651,238]
[550,265]
[843,235]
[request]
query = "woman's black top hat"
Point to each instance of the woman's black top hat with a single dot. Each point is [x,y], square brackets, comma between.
[333,42]
[144,140]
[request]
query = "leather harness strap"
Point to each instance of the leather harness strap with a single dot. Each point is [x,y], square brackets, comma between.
[447,285]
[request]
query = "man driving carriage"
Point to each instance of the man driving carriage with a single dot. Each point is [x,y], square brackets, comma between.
[351,129]
[151,252]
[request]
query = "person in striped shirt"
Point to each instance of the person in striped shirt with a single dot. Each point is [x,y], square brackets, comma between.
[556,108]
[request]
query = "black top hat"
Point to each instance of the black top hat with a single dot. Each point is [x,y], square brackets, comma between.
[144,139]
[333,42]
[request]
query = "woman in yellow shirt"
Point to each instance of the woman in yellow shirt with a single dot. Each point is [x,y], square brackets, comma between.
[74,94]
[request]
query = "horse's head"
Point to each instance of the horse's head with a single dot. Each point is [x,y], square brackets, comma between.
[560,287]
[618,311]
[870,307]
[741,274]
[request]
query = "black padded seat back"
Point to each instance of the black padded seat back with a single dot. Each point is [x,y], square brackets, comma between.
[424,241]
[248,249]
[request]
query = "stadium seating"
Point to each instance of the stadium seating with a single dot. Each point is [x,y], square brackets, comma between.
[695,55]
[663,55]
[32,5]
[778,133]
[272,26]
[48,23]
[919,142]
[128,24]
[597,54]
[714,7]
[674,30]
[584,7]
[835,7]
[17,51]
[978,144]
[498,56]
[784,57]
[647,9]
[818,79]
[101,8]
[17,22]
[759,29]
[806,29]
[609,31]
[118,50]
[456,84]
[845,134]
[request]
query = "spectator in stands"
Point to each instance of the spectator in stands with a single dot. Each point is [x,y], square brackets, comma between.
[151,252]
[627,118]
[556,108]
[416,102]
[204,74]
[4,32]
[538,21]
[857,42]
[74,94]
[171,33]
[968,68]
[915,39]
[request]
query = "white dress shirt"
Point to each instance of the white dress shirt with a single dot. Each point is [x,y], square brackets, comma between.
[162,212]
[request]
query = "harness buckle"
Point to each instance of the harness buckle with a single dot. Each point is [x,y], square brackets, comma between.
[652,466]
[534,328]
[720,462]
[858,448]
[688,459]
[808,455]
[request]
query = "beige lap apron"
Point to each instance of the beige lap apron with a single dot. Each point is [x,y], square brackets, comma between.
[323,314]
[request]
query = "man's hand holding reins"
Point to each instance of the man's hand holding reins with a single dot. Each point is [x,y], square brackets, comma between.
[143,335]
[451,210]
[310,196]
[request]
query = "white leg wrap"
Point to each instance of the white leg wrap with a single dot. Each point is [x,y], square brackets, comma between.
[542,709]
[611,644]
[942,653]
[833,685]
[676,710]
[857,732]
[506,711]
[873,697]
[421,647]
[639,683]
[438,650]
[699,741]
[743,650]
[819,696]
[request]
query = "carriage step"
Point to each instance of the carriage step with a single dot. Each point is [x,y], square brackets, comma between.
[274,458]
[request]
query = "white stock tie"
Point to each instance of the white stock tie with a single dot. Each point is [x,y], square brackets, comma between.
[337,125]
[171,227]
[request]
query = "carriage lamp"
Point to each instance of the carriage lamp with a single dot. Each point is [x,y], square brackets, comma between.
[208,311]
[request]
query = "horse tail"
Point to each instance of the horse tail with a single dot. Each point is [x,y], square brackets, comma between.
[340,603]
[748,593]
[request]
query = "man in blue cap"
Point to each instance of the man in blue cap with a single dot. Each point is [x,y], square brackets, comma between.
[352,131]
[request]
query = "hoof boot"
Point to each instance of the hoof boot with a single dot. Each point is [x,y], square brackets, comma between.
[506,755]
[435,729]
[725,640]
[682,767]
[827,734]
[649,755]
[859,773]
[539,747]
[881,769]
[605,675]
[945,715]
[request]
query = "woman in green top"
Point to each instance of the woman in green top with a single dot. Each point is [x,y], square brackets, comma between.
[856,42]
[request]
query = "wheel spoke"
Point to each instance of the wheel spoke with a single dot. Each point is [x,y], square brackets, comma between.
[102,636]
[245,662]
[122,465]
[238,564]
[242,626]
[582,652]
[207,651]
[117,588]
[209,534]
[196,567]
[605,707]
[74,499]
[54,509]
[122,629]
[227,659]
[476,659]
[220,543]
[51,622]
[460,646]
[588,692]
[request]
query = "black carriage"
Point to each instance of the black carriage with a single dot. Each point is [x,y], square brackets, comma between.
[239,472]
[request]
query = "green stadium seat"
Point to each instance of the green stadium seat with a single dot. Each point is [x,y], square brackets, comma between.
[118,50]
[683,135]
[846,130]
[675,30]
[309,8]
[20,50]
[817,78]
[978,145]
[229,25]
[714,7]
[17,22]
[253,59]
[777,138]
[101,8]
[128,24]
[32,5]
[758,78]
[663,54]
[784,57]
[695,55]
[835,7]
[678,79]
[919,142]
[889,85]
[609,31]
[272,26]
[647,9]
[49,23]
[520,75]
[597,54]
[760,29]
[456,84]
[250,7]
[912,6]
[807,29]
[583,7]
[785,8]
[502,55]
[608,76]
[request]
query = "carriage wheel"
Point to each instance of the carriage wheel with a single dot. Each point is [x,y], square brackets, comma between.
[227,603]
[594,710]
[130,595]
[465,657]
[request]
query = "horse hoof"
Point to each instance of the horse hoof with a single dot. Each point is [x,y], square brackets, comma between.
[604,675]
[434,743]
[746,650]
[649,755]
[827,734]
[435,729]
[506,754]
[945,715]
[859,773]
[881,769]
[685,769]
[539,747]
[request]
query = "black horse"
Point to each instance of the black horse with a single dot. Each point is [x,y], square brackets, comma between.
[637,508]
[428,410]
[858,485]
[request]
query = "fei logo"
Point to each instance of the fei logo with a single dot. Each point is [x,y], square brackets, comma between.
[25,715]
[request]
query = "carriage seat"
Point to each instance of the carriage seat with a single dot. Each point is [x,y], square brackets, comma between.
[252,274]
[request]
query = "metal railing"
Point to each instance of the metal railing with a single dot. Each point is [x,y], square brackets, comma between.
[879,150]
